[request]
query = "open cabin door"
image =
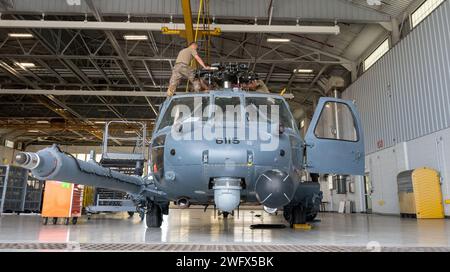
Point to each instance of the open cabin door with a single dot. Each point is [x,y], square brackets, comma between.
[334,140]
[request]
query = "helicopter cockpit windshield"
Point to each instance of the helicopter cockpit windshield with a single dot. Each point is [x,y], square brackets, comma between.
[190,109]
[265,111]
[185,109]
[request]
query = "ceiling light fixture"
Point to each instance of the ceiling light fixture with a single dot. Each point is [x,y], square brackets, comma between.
[42,122]
[24,65]
[278,40]
[303,71]
[20,35]
[135,37]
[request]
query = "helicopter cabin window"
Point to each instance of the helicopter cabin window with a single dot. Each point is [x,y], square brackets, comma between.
[157,155]
[263,108]
[185,109]
[336,122]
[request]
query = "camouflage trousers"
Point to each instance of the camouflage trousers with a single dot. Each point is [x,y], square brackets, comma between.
[182,71]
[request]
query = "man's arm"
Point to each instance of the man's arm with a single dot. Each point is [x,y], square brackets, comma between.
[200,61]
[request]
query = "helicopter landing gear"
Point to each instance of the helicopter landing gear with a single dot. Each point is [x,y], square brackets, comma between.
[142,215]
[298,215]
[154,216]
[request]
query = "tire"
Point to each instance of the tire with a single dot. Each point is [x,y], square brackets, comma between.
[74,220]
[45,221]
[225,215]
[130,214]
[142,216]
[67,221]
[55,220]
[154,217]
[295,215]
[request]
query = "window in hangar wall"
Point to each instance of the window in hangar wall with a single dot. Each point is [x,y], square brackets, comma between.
[423,11]
[376,54]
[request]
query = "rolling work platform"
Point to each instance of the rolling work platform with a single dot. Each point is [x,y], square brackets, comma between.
[115,157]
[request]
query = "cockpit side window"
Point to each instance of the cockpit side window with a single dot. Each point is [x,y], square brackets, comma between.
[185,109]
[264,107]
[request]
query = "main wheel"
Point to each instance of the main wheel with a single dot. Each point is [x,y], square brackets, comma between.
[45,221]
[55,220]
[225,215]
[154,216]
[130,214]
[74,220]
[295,215]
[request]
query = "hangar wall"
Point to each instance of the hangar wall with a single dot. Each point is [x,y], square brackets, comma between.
[405,94]
[432,151]
[404,104]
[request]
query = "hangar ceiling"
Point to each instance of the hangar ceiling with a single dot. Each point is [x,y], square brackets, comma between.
[101,59]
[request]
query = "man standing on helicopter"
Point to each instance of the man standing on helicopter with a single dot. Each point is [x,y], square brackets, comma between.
[182,69]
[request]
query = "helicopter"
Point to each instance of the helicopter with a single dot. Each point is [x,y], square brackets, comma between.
[225,148]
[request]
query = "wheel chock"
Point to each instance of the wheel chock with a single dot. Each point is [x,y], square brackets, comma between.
[302,226]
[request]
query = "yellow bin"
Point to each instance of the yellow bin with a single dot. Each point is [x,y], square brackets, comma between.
[427,193]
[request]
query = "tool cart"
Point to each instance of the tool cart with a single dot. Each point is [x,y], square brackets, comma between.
[62,201]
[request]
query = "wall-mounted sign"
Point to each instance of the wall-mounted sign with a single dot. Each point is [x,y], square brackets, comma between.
[380,144]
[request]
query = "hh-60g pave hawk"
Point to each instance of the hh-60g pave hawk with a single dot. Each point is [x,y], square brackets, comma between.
[225,148]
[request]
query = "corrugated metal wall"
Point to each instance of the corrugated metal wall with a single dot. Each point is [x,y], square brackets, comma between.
[406,94]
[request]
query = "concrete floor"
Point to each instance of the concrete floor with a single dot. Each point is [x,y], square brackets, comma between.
[193,226]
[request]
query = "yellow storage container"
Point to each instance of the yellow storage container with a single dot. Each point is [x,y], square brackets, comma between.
[427,193]
[419,193]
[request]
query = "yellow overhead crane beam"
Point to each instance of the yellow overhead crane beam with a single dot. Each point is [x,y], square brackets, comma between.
[167,31]
[188,33]
[187,15]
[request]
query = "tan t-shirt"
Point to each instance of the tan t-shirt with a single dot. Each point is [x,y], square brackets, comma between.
[185,56]
[261,87]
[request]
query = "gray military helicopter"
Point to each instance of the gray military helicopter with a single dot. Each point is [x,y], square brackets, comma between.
[225,148]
